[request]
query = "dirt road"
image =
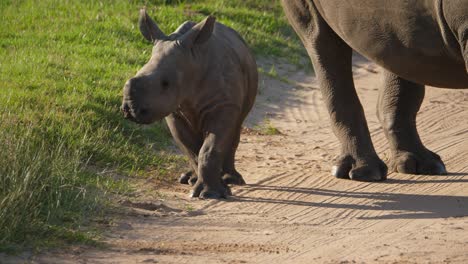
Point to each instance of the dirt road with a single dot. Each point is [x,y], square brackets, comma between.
[293,210]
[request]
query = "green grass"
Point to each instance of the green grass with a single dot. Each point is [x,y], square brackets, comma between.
[62,68]
[267,128]
[274,74]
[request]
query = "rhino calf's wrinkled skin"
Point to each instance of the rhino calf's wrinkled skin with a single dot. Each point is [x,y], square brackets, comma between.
[203,79]
[417,42]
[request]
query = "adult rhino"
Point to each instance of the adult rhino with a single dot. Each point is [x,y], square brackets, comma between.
[417,42]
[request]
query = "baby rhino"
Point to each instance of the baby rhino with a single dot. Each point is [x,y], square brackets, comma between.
[203,79]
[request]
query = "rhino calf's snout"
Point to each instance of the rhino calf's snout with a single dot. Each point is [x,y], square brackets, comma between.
[131,107]
[132,112]
[125,110]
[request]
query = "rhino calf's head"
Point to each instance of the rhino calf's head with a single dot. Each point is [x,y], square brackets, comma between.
[171,73]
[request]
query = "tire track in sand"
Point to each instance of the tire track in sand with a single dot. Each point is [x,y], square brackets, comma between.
[293,211]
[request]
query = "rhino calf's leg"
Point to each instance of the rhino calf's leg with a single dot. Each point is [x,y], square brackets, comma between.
[231,175]
[398,105]
[188,141]
[220,133]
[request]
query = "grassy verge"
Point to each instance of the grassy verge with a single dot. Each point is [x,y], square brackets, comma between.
[267,128]
[62,67]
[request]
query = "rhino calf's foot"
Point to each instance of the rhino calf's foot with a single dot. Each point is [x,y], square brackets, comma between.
[228,178]
[233,178]
[360,169]
[185,177]
[188,178]
[202,191]
[423,162]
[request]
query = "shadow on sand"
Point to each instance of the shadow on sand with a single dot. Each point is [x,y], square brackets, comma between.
[392,205]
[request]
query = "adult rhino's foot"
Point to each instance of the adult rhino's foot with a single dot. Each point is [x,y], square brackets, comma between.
[423,162]
[202,191]
[360,169]
[233,178]
[188,178]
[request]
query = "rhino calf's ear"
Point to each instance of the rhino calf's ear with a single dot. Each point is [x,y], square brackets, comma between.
[200,33]
[148,27]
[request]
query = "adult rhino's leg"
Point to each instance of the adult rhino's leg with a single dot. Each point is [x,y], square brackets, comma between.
[399,102]
[189,142]
[231,175]
[331,58]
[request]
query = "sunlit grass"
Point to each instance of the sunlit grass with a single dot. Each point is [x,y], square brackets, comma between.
[62,68]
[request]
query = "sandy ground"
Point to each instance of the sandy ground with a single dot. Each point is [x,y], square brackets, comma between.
[293,210]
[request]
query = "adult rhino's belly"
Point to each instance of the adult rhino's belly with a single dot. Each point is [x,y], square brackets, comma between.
[411,64]
[406,40]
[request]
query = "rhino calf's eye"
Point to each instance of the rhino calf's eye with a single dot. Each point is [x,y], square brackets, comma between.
[164,84]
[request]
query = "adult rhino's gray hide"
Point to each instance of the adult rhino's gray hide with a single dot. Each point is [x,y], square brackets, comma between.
[417,42]
[203,79]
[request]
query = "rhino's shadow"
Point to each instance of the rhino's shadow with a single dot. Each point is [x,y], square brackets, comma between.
[391,205]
